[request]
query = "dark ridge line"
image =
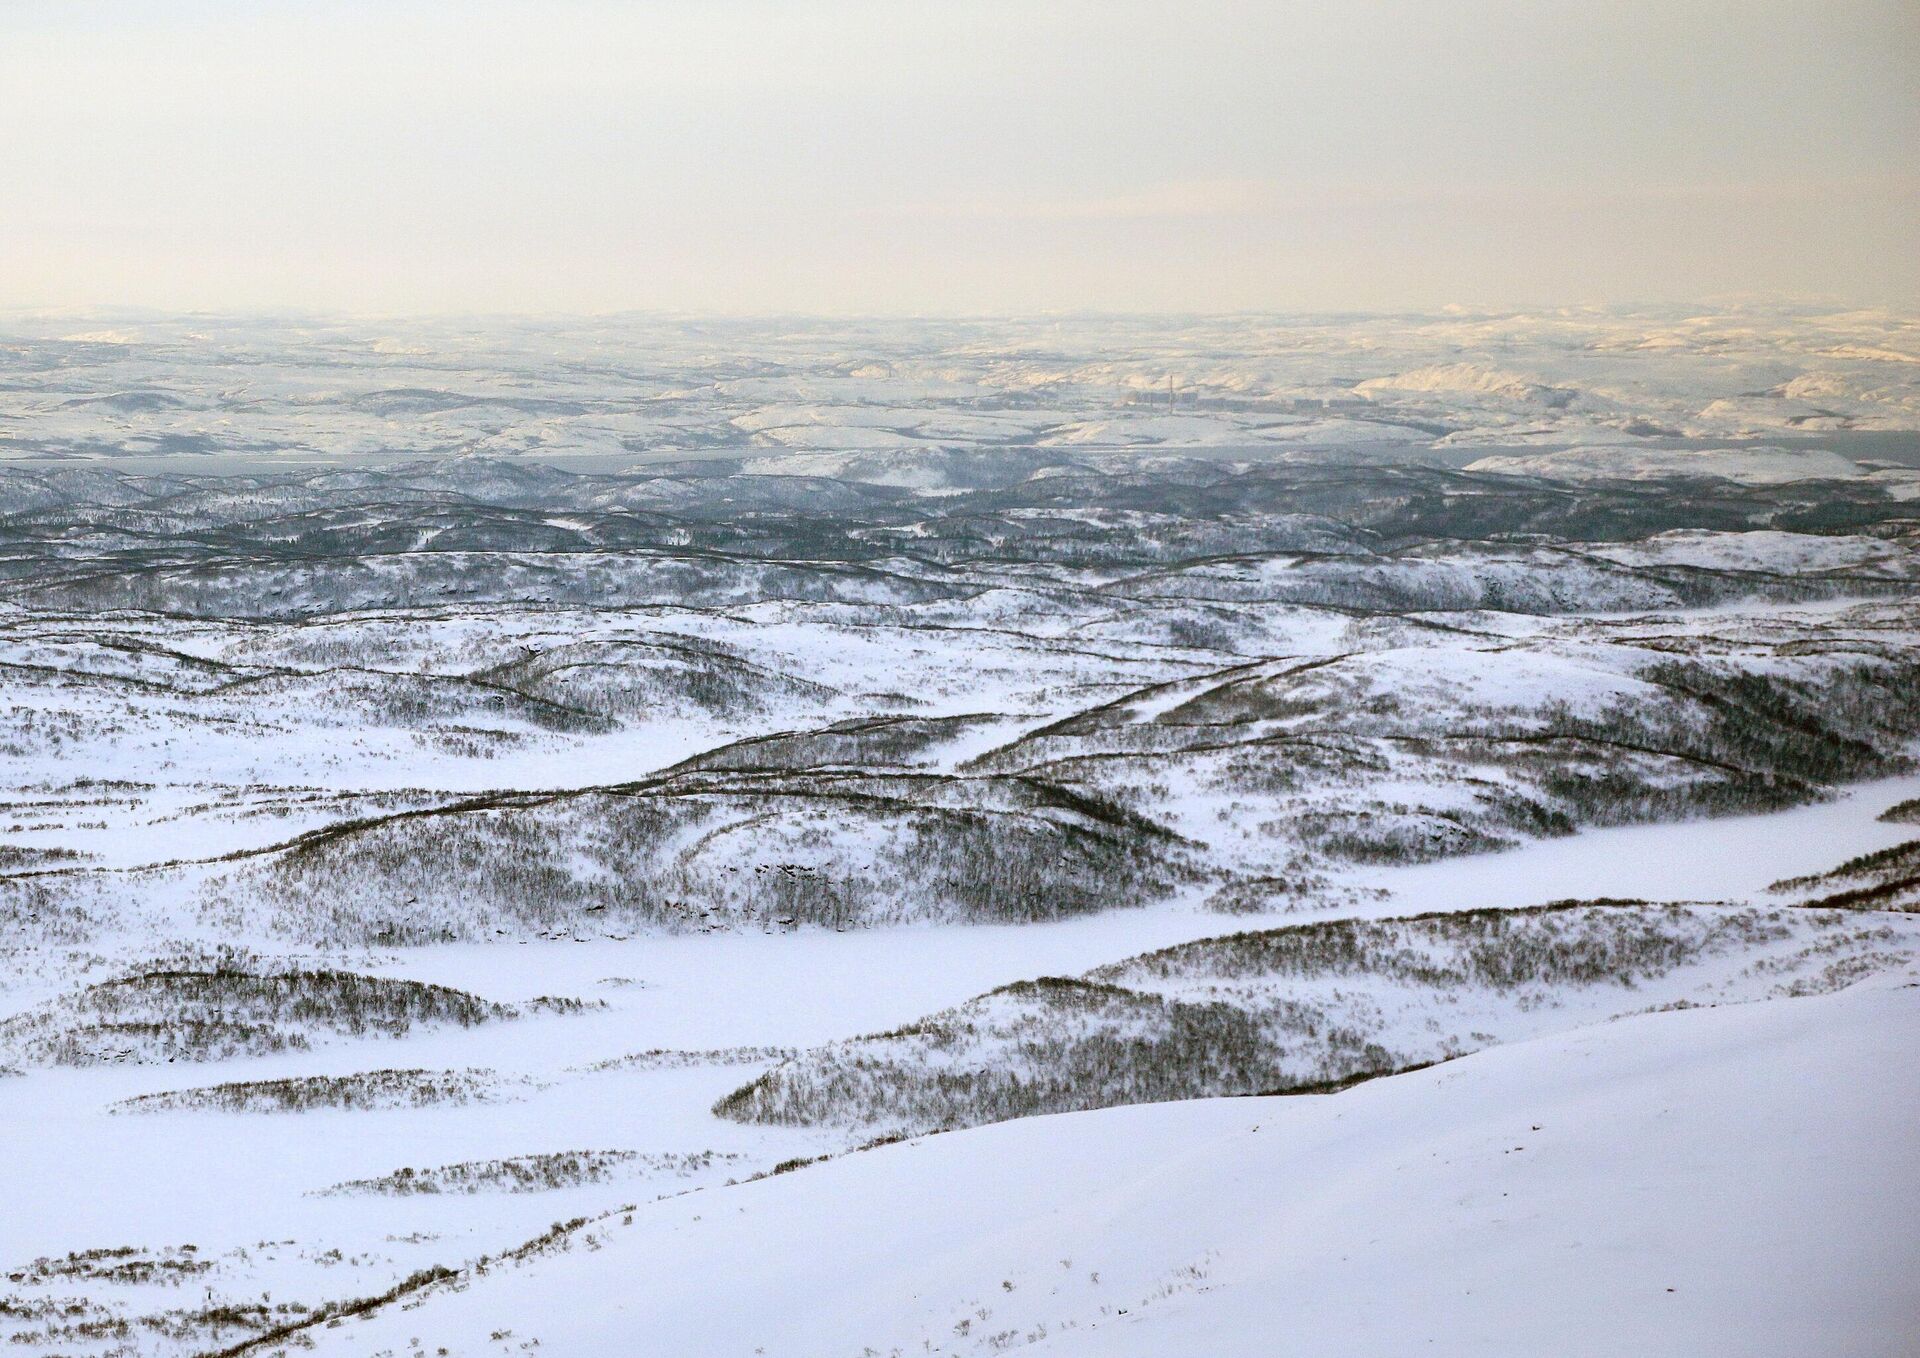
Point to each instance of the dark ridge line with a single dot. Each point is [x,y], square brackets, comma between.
[1113,704]
[1330,736]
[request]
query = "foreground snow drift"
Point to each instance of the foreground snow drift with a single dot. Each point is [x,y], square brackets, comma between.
[1736,1180]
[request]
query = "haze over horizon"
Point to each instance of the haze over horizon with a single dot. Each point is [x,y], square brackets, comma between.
[819,677]
[745,157]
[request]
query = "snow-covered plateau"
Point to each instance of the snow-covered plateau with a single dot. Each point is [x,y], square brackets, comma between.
[1219,836]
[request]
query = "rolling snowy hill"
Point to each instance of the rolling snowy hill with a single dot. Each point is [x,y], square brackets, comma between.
[1736,1179]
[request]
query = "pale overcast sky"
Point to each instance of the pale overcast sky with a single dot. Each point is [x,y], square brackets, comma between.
[746,155]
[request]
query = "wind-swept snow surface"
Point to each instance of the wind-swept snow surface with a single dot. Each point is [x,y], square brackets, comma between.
[1734,1180]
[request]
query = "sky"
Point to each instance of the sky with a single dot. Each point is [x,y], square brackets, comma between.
[978,156]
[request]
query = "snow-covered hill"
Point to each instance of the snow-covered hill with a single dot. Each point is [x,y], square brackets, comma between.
[1731,1180]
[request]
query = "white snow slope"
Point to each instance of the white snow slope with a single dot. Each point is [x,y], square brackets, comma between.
[1733,1180]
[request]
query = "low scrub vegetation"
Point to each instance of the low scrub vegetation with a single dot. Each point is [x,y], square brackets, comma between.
[1887,879]
[225,1010]
[1303,1008]
[120,1264]
[1903,813]
[713,851]
[664,1058]
[1328,757]
[534,1173]
[363,1091]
